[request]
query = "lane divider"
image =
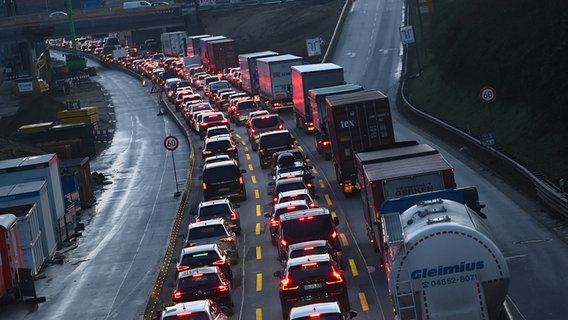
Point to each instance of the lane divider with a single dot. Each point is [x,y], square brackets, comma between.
[253,179]
[256,194]
[257,229]
[327,199]
[343,238]
[258,253]
[258,213]
[353,267]
[363,299]
[322,184]
[250,167]
[258,314]
[259,282]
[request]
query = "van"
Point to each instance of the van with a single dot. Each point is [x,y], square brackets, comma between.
[271,142]
[223,179]
[136,4]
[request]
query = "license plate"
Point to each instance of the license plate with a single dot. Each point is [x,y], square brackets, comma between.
[242,117]
[312,286]
[224,189]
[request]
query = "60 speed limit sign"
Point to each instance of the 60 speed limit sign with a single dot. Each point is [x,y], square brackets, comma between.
[487,94]
[171,143]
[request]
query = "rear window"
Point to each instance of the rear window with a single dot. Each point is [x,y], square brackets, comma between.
[198,281]
[213,117]
[308,228]
[220,174]
[215,211]
[218,145]
[262,122]
[218,131]
[309,271]
[215,230]
[202,315]
[302,196]
[308,251]
[204,258]
[331,316]
[246,105]
[289,187]
[274,140]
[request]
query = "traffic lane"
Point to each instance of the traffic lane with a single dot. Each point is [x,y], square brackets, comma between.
[130,222]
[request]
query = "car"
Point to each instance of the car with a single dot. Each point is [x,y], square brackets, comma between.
[197,120]
[314,247]
[222,208]
[271,142]
[218,130]
[322,311]
[188,100]
[254,114]
[220,144]
[223,179]
[211,119]
[223,101]
[296,153]
[280,209]
[263,123]
[196,108]
[242,110]
[213,231]
[311,279]
[207,81]
[204,283]
[194,310]
[285,184]
[299,172]
[305,225]
[299,194]
[58,14]
[210,254]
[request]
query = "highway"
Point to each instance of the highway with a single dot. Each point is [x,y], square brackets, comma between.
[112,272]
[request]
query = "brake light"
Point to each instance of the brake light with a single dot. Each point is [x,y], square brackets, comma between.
[326,143]
[283,243]
[309,185]
[233,216]
[218,262]
[177,294]
[286,284]
[274,223]
[252,130]
[183,314]
[274,199]
[337,278]
[261,150]
[232,149]
[309,248]
[312,205]
[307,218]
[290,207]
[181,268]
[315,316]
[224,121]
[223,288]
[241,180]
[238,113]
[207,152]
[197,219]
[197,275]
[227,239]
[334,234]
[204,185]
[281,126]
[310,264]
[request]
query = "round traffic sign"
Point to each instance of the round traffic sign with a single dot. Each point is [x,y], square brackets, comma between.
[487,94]
[171,143]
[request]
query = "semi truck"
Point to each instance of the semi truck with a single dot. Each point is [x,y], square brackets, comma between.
[249,73]
[440,259]
[193,45]
[174,44]
[311,76]
[319,112]
[275,80]
[203,49]
[220,54]
[356,122]
[396,170]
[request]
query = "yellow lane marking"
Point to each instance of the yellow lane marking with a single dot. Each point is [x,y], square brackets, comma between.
[248,156]
[250,167]
[253,179]
[301,149]
[246,149]
[259,282]
[363,298]
[354,270]
[256,194]
[258,210]
[322,184]
[343,238]
[333,215]
[258,253]
[327,199]
[257,229]
[314,170]
[237,135]
[243,142]
[258,314]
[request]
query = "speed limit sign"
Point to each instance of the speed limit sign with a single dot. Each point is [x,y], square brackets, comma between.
[487,94]
[171,143]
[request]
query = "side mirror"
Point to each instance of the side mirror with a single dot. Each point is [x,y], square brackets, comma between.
[270,193]
[267,215]
[336,221]
[200,147]
[352,314]
[243,171]
[278,274]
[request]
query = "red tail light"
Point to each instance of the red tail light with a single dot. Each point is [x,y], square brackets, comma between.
[241,180]
[281,126]
[312,205]
[177,294]
[286,284]
[274,223]
[218,262]
[315,316]
[252,130]
[307,218]
[309,248]
[223,288]
[326,143]
[283,243]
[337,278]
[232,149]
[334,235]
[183,314]
[204,185]
[227,239]
[274,199]
[197,219]
[206,152]
[181,268]
[233,216]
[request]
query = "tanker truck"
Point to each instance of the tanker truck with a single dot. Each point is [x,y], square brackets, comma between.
[440,259]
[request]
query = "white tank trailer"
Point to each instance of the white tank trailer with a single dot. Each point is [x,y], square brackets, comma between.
[440,260]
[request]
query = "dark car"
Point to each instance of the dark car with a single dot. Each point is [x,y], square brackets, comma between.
[279,157]
[205,255]
[271,142]
[223,179]
[204,283]
[278,210]
[223,208]
[305,225]
[242,110]
[211,120]
[298,172]
[310,279]
[213,231]
[220,144]
[286,184]
[263,123]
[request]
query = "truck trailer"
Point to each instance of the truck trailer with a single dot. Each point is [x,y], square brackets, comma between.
[440,259]
[174,44]
[221,54]
[357,122]
[203,48]
[275,81]
[249,73]
[319,112]
[193,45]
[397,170]
[311,76]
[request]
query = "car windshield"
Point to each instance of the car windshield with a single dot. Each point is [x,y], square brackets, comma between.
[220,174]
[200,315]
[198,281]
[274,140]
[262,122]
[217,131]
[213,117]
[289,187]
[199,259]
[308,271]
[282,211]
[219,145]
[306,229]
[214,211]
[211,231]
[246,105]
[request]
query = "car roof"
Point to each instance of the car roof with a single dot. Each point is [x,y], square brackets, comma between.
[208,222]
[305,244]
[204,269]
[296,174]
[189,306]
[291,203]
[221,164]
[212,159]
[293,192]
[304,213]
[219,137]
[275,132]
[218,127]
[322,257]
[199,248]
[320,308]
[213,202]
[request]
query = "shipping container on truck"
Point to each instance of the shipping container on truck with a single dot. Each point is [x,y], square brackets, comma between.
[319,112]
[193,45]
[174,44]
[356,122]
[275,81]
[311,76]
[222,54]
[397,170]
[249,72]
[30,235]
[441,261]
[33,192]
[203,48]
[10,257]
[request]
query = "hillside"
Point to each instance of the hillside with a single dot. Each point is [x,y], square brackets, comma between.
[520,50]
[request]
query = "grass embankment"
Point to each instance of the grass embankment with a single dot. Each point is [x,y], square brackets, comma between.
[519,49]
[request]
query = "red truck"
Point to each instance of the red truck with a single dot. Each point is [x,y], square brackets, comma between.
[397,170]
[10,257]
[220,54]
[356,122]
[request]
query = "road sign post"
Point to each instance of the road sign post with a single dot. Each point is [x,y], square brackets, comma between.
[487,95]
[171,143]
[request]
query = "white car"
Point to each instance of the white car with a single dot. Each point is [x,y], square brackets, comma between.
[324,310]
[200,309]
